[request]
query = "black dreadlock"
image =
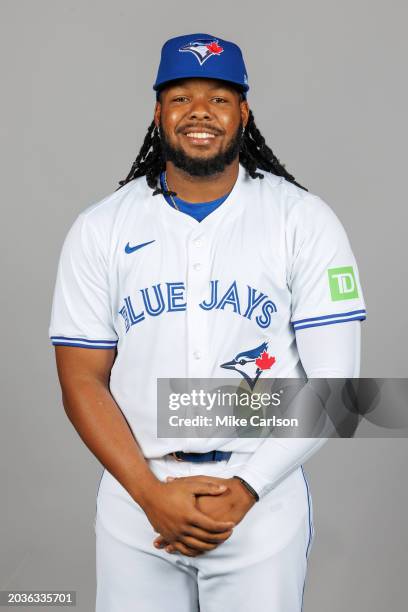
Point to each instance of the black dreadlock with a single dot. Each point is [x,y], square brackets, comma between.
[254,154]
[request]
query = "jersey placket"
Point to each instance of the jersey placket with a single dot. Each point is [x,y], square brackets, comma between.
[197,318]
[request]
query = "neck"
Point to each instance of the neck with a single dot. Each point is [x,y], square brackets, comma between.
[201,188]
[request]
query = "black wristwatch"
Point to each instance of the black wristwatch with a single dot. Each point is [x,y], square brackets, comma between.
[248,486]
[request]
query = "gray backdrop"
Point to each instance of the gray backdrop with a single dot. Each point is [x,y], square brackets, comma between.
[328,92]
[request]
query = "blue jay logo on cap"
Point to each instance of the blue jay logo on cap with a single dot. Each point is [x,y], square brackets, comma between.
[202,48]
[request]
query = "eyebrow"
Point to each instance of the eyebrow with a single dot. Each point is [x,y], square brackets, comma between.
[223,88]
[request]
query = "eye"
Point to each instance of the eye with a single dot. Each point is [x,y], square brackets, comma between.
[220,100]
[242,362]
[180,98]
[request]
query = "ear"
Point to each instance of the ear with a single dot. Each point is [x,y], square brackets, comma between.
[244,112]
[157,114]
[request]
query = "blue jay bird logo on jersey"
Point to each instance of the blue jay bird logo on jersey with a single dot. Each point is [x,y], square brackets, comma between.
[202,49]
[250,364]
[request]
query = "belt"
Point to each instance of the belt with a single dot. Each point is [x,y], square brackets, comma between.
[201,457]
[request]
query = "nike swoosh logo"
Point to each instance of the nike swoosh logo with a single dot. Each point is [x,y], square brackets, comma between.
[129,249]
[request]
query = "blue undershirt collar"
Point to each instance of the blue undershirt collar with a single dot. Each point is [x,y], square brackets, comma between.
[197,210]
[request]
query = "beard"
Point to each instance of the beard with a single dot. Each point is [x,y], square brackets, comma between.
[196,166]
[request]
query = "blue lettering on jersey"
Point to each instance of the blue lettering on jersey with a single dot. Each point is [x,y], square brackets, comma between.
[213,298]
[264,320]
[175,296]
[253,301]
[230,297]
[159,300]
[133,318]
[173,299]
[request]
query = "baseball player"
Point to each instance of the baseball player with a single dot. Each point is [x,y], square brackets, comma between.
[209,261]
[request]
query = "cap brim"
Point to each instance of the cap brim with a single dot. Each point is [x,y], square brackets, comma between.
[242,88]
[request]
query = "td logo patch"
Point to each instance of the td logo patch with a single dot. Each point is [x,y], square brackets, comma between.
[342,283]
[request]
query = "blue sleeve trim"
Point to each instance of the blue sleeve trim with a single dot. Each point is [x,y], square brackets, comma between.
[330,316]
[330,322]
[83,342]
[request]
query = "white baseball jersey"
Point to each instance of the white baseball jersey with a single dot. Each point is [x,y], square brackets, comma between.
[218,298]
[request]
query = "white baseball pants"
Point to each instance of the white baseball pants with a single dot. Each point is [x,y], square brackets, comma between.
[262,566]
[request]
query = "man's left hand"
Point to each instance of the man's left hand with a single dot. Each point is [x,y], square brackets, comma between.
[232,505]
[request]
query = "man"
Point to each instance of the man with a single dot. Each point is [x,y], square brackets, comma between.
[210,260]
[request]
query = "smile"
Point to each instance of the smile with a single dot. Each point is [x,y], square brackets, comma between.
[200,135]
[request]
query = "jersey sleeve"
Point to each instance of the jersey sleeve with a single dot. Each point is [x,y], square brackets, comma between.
[324,278]
[81,314]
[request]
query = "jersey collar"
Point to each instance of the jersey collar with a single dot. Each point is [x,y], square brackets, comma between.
[231,206]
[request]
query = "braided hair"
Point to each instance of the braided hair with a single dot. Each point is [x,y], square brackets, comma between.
[254,154]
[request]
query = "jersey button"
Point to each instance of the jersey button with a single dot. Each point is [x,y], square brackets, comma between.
[197,355]
[198,242]
[197,266]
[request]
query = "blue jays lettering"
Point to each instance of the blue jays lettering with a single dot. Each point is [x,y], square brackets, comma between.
[169,297]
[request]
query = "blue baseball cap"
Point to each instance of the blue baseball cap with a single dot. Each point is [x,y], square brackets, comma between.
[201,55]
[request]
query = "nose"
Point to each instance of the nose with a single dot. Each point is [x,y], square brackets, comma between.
[199,109]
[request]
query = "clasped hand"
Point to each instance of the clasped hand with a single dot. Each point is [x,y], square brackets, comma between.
[195,514]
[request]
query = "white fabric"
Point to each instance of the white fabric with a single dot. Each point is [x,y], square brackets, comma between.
[330,351]
[194,296]
[198,294]
[262,566]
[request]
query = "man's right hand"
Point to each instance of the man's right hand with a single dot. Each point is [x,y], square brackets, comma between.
[172,511]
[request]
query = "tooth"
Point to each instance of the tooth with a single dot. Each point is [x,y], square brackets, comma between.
[200,135]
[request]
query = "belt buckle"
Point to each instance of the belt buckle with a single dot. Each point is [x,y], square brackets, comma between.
[173,454]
